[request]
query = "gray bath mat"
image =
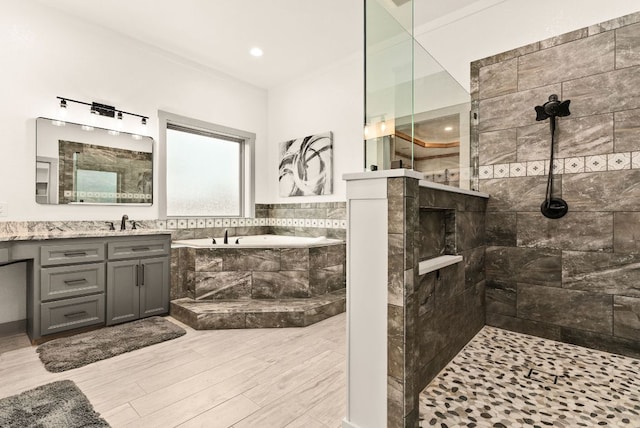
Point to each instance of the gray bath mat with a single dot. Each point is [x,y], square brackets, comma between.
[69,353]
[57,404]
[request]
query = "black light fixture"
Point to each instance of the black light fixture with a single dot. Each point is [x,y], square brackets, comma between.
[102,109]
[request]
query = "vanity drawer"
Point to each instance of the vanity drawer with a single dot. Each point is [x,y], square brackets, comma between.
[67,314]
[71,253]
[137,248]
[70,281]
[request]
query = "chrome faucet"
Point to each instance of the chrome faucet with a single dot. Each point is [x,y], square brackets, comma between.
[123,224]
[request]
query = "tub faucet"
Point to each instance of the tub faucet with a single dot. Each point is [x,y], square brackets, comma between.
[226,236]
[123,224]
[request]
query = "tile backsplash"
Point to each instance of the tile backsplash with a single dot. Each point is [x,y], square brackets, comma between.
[303,219]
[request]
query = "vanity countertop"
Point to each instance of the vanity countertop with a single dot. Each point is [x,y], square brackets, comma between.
[66,234]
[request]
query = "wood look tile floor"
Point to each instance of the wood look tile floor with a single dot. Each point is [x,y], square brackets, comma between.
[267,378]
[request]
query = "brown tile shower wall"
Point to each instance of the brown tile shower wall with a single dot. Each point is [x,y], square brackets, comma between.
[574,279]
[432,316]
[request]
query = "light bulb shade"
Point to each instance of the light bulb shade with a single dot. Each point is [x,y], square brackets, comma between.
[63,104]
[119,115]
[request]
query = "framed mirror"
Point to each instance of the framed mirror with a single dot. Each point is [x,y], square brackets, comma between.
[80,164]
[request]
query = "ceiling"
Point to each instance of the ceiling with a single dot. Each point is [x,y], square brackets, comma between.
[442,130]
[297,36]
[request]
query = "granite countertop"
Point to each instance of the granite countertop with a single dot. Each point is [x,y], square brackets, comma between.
[64,234]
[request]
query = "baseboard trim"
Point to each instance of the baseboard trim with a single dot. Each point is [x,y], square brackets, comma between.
[347,424]
[13,327]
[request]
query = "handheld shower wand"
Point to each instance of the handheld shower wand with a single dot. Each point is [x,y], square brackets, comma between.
[553,208]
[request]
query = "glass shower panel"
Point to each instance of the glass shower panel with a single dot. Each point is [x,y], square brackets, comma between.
[388,77]
[417,114]
[440,123]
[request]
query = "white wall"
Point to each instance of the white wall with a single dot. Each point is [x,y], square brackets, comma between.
[459,38]
[47,54]
[331,99]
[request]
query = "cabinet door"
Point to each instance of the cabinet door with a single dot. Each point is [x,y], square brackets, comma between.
[123,292]
[154,286]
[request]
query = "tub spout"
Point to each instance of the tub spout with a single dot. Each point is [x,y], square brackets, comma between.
[226,236]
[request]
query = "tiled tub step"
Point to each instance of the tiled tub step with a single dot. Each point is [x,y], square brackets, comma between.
[267,313]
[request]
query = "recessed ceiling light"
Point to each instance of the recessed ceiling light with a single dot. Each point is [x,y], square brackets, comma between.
[448,128]
[256,51]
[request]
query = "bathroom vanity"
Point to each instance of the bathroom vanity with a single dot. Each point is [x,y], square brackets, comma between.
[75,280]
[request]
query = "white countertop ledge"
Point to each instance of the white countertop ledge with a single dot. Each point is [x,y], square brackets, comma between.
[438,186]
[436,263]
[384,173]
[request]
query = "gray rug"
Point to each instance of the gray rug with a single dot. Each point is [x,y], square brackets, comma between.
[57,404]
[69,353]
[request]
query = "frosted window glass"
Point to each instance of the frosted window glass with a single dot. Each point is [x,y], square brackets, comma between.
[203,175]
[96,186]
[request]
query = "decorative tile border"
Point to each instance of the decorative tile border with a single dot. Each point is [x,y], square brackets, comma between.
[201,223]
[575,165]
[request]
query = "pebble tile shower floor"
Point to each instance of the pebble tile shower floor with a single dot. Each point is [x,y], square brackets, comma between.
[506,379]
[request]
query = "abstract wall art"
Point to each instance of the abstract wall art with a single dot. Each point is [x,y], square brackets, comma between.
[306,166]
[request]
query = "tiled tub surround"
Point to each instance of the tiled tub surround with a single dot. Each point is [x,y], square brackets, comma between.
[507,379]
[257,287]
[574,279]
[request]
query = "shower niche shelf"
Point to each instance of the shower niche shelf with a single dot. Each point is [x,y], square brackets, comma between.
[436,263]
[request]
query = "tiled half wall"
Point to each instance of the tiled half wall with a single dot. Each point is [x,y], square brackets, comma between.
[573,279]
[431,316]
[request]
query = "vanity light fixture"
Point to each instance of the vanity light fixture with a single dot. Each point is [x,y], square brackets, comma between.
[102,109]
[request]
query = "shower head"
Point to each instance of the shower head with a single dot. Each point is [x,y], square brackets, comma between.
[552,108]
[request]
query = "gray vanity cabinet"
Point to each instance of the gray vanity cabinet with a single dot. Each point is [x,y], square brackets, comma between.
[89,281]
[137,287]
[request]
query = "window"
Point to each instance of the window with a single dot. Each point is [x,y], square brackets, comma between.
[208,169]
